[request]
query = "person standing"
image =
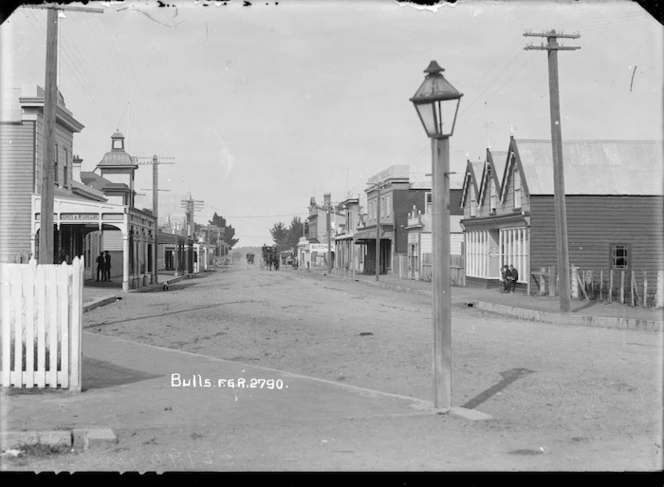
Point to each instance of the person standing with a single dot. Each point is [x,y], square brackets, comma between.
[101,267]
[504,272]
[513,277]
[107,266]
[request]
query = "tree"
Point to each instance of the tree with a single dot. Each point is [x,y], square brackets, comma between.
[228,233]
[295,231]
[279,234]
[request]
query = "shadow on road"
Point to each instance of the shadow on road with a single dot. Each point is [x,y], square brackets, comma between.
[98,374]
[509,376]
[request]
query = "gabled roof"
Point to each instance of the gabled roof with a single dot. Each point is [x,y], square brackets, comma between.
[594,167]
[470,180]
[492,171]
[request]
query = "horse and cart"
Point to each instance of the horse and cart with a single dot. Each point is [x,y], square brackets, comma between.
[250,258]
[270,258]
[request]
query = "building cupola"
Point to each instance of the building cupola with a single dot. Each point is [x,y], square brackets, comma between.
[117,141]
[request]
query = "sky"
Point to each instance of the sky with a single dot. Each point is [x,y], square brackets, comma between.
[260,108]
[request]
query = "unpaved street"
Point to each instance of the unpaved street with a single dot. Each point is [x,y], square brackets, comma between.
[561,398]
[572,385]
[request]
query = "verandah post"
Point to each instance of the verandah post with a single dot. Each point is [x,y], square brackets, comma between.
[610,285]
[645,289]
[622,287]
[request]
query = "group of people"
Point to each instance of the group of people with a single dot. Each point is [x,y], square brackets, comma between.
[104,266]
[510,277]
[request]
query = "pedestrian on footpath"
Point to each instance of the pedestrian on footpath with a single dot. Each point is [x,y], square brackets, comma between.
[101,267]
[512,277]
[504,271]
[107,266]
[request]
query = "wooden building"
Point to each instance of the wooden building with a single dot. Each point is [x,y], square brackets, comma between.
[419,227]
[614,202]
[391,194]
[89,210]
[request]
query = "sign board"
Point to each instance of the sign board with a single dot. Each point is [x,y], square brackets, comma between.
[320,247]
[79,216]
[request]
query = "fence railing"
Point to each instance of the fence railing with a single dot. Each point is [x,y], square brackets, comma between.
[41,324]
[612,286]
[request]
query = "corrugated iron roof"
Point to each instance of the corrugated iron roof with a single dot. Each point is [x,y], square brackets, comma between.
[596,166]
[96,181]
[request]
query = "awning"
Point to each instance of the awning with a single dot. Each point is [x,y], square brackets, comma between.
[371,234]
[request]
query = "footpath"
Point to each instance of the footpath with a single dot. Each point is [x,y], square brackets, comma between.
[544,309]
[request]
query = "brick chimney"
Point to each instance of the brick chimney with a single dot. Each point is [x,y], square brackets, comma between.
[76,169]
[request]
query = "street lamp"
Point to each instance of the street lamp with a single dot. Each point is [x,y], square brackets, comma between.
[437,104]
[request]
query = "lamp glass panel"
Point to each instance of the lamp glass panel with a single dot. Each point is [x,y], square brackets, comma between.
[446,114]
[426,113]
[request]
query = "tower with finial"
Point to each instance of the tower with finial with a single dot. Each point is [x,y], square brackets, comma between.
[118,167]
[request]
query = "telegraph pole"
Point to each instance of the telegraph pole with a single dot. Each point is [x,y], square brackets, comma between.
[327,203]
[552,47]
[155,208]
[190,206]
[50,109]
[378,234]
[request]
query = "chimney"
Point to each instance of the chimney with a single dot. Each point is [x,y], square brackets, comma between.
[76,169]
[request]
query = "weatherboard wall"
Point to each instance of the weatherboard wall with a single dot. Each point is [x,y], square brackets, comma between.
[594,223]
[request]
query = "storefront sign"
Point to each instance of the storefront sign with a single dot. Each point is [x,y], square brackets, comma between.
[79,216]
[320,247]
[113,216]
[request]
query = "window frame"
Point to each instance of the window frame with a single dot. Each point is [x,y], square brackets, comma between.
[56,178]
[627,257]
[516,176]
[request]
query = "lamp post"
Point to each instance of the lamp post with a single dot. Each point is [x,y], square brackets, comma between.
[437,104]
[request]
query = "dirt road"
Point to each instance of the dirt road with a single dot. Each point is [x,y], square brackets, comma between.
[591,396]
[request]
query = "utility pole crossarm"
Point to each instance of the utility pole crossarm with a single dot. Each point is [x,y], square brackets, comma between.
[551,48]
[552,33]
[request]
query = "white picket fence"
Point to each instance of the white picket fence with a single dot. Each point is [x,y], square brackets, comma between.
[41,322]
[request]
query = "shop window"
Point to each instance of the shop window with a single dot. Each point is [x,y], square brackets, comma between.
[620,256]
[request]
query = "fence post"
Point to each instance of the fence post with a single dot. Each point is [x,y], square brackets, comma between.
[552,281]
[40,288]
[5,318]
[574,283]
[64,285]
[622,287]
[645,289]
[659,296]
[30,331]
[76,325]
[16,304]
[633,290]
